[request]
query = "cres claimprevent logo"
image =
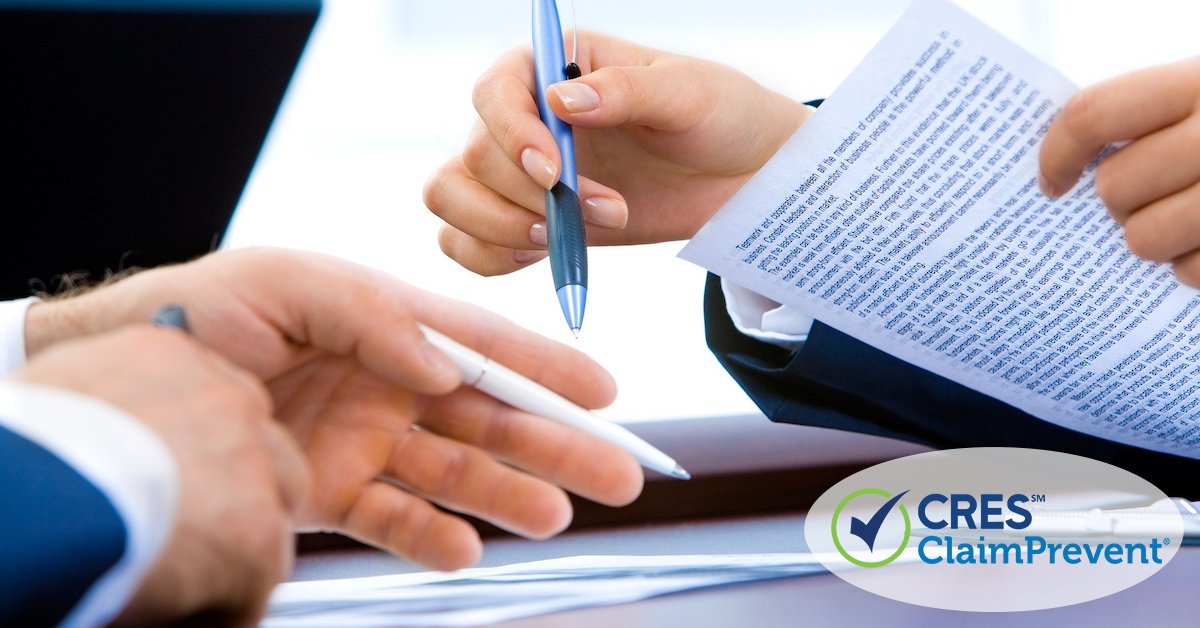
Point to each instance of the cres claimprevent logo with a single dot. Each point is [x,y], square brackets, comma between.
[949,529]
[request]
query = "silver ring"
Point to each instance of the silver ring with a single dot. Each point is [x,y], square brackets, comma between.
[482,371]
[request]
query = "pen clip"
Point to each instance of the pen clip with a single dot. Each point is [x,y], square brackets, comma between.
[572,69]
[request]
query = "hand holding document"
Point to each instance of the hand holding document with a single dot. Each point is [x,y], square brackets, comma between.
[906,213]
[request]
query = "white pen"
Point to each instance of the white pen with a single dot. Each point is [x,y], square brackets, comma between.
[520,392]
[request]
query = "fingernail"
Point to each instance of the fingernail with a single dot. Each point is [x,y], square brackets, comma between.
[527,257]
[1047,188]
[539,167]
[577,97]
[605,212]
[437,360]
[537,233]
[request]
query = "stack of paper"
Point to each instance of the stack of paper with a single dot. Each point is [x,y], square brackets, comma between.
[480,596]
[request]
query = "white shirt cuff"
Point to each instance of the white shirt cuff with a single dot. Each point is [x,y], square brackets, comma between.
[12,333]
[764,319]
[129,463]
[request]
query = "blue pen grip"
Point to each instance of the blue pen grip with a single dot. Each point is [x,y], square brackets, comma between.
[567,238]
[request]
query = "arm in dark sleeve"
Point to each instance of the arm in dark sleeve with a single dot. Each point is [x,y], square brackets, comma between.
[835,381]
[58,535]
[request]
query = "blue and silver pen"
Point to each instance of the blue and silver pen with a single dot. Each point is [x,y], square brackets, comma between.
[565,236]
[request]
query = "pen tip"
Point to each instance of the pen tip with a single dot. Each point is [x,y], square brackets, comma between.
[681,473]
[573,297]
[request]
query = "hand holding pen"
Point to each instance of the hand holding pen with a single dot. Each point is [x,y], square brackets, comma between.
[517,391]
[661,142]
[350,374]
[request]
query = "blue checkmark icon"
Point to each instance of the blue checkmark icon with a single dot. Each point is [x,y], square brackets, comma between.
[867,531]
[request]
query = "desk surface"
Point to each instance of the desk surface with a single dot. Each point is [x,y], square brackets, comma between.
[1166,599]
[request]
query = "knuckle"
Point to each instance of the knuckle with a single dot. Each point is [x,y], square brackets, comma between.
[1079,115]
[616,83]
[468,252]
[1188,273]
[405,529]
[1143,242]
[453,472]
[465,250]
[484,90]
[448,241]
[475,154]
[497,429]
[505,130]
[1107,187]
[434,192]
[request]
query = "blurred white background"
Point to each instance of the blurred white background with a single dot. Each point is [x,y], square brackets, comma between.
[382,98]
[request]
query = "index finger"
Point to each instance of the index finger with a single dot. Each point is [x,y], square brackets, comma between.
[504,99]
[562,455]
[1124,108]
[554,365]
[334,305]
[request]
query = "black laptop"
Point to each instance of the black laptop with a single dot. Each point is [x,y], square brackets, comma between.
[130,127]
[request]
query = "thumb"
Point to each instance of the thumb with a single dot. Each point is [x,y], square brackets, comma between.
[662,96]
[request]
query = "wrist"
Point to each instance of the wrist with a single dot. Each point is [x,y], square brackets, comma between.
[782,117]
[52,321]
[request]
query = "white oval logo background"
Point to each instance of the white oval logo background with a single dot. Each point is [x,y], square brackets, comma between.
[982,554]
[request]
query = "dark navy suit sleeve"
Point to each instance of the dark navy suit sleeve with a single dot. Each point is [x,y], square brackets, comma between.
[58,534]
[835,381]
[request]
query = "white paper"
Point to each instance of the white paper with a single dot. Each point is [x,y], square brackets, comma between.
[482,596]
[474,597]
[906,214]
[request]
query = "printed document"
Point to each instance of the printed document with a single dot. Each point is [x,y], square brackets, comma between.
[487,595]
[906,213]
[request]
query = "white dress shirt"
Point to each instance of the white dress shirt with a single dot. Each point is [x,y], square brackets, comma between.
[761,318]
[764,319]
[116,453]
[12,334]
